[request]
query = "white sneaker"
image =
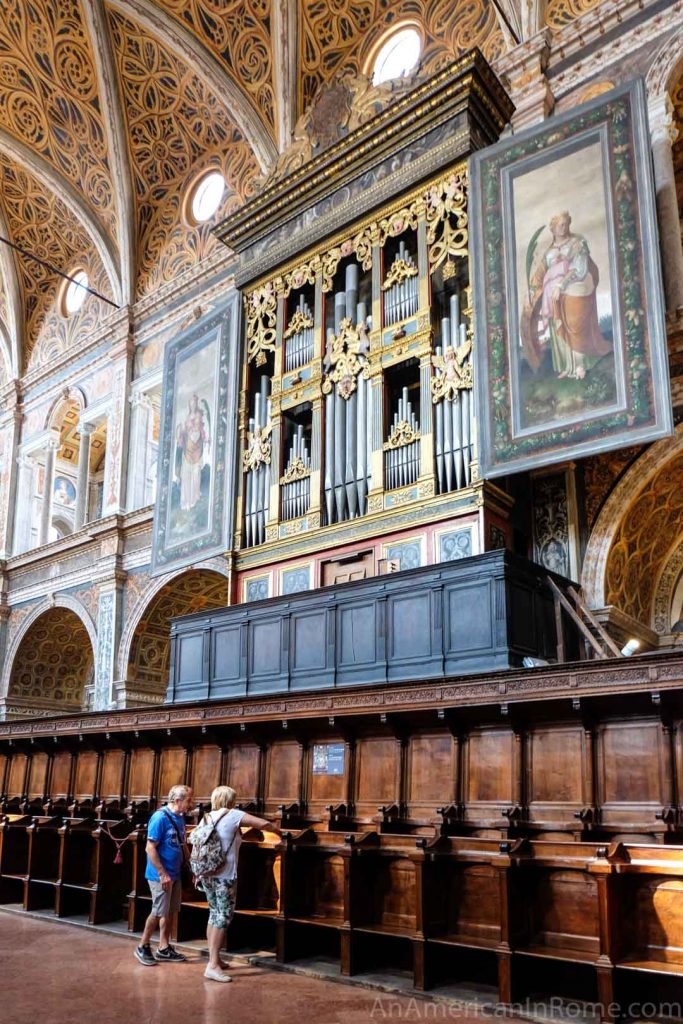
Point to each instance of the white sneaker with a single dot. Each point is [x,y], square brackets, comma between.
[213,975]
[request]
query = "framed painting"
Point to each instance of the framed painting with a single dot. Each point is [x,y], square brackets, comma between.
[196,471]
[571,355]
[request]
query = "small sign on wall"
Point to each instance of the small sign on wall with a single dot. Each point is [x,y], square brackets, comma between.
[328,759]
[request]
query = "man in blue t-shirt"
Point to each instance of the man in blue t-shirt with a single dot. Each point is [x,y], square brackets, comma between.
[165,854]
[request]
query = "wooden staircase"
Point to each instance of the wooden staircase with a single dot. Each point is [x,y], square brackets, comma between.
[593,633]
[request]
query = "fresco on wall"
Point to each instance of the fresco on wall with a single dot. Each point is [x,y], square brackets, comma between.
[192,506]
[571,352]
[64,492]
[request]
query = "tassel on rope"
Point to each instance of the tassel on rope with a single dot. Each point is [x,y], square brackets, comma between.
[118,843]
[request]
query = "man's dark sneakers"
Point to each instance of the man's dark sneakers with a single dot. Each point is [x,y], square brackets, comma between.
[145,956]
[170,955]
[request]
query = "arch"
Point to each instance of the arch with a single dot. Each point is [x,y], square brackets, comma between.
[196,55]
[55,412]
[666,65]
[64,190]
[666,589]
[58,601]
[153,609]
[637,488]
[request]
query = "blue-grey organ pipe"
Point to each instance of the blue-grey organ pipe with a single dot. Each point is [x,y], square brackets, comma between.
[402,299]
[299,347]
[296,496]
[257,487]
[402,465]
[453,418]
[348,442]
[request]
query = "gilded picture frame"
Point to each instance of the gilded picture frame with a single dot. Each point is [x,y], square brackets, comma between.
[570,338]
[197,444]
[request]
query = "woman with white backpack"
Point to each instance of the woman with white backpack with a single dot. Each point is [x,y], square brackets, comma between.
[215,853]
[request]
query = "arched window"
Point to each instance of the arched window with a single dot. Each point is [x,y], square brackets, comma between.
[74,292]
[205,196]
[397,56]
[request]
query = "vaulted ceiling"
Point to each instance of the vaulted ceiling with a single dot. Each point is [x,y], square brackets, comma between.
[109,109]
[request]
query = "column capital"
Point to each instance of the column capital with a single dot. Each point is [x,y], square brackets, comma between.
[660,111]
[86,429]
[53,444]
[523,74]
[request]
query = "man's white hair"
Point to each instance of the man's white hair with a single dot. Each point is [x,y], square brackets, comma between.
[178,793]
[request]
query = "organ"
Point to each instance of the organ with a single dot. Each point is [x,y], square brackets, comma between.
[446,813]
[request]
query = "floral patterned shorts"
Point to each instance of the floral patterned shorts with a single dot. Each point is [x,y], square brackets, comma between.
[221,896]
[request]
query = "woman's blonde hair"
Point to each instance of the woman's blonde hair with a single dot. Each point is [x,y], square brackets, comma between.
[222,796]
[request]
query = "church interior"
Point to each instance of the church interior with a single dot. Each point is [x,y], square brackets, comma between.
[341,462]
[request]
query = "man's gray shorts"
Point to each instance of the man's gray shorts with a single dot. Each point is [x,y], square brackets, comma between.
[165,902]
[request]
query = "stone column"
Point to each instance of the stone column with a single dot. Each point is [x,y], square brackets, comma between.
[109,613]
[138,460]
[10,427]
[48,486]
[116,457]
[81,510]
[22,521]
[663,134]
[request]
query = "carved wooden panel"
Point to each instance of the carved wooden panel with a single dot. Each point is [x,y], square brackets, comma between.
[488,774]
[468,901]
[86,773]
[171,770]
[243,771]
[206,771]
[562,909]
[377,774]
[111,785]
[37,776]
[140,779]
[283,775]
[432,773]
[17,773]
[634,771]
[651,918]
[61,775]
[556,762]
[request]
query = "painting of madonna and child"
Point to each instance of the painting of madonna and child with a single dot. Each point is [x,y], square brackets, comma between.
[568,361]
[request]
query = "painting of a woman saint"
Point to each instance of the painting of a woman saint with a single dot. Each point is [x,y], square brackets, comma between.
[192,440]
[561,309]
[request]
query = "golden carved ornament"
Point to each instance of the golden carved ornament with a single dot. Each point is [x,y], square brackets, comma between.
[401,435]
[446,214]
[455,374]
[300,276]
[399,271]
[259,449]
[261,311]
[299,322]
[296,470]
[343,356]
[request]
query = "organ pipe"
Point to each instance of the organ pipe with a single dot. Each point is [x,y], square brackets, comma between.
[257,486]
[299,337]
[401,287]
[402,450]
[453,416]
[296,486]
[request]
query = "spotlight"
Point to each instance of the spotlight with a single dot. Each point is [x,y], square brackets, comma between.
[529,662]
[630,647]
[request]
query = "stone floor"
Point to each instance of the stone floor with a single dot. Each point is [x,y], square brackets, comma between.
[58,974]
